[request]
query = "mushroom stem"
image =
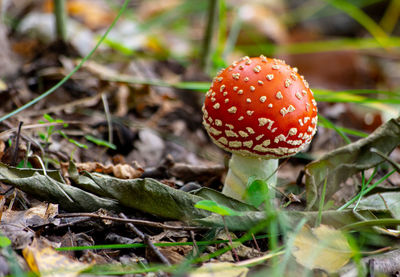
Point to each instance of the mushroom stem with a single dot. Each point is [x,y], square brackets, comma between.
[241,168]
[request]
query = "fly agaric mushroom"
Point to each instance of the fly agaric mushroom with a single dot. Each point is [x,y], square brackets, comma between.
[260,110]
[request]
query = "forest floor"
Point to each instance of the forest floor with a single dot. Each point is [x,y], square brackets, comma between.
[101,175]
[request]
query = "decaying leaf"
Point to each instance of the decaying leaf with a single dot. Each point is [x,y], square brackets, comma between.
[344,162]
[323,247]
[2,148]
[123,171]
[43,260]
[242,250]
[220,269]
[174,254]
[385,201]
[51,188]
[16,224]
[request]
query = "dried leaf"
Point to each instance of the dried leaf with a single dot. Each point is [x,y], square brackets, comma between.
[174,254]
[344,162]
[123,171]
[323,247]
[380,202]
[51,188]
[220,269]
[42,259]
[2,148]
[15,224]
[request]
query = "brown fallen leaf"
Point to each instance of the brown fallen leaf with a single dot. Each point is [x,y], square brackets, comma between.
[174,254]
[42,259]
[323,247]
[2,148]
[122,171]
[16,224]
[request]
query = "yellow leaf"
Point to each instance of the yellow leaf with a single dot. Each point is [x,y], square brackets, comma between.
[43,260]
[220,269]
[323,247]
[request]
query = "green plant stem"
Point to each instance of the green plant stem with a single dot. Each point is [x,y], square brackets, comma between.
[329,124]
[358,15]
[233,35]
[158,244]
[371,223]
[391,16]
[60,15]
[209,34]
[59,84]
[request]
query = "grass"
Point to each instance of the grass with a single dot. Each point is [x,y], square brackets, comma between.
[365,190]
[358,15]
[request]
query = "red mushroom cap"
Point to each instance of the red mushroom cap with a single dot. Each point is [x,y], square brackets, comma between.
[260,107]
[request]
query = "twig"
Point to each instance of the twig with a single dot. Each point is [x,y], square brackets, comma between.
[108,117]
[384,201]
[255,243]
[387,264]
[230,240]
[147,241]
[135,221]
[195,247]
[16,146]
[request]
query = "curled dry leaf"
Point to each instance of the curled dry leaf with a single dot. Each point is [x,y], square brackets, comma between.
[16,225]
[323,247]
[42,259]
[122,171]
[337,166]
[174,254]
[2,148]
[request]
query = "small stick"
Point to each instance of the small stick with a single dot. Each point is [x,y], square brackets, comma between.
[255,242]
[135,221]
[16,146]
[147,241]
[108,117]
[195,247]
[230,240]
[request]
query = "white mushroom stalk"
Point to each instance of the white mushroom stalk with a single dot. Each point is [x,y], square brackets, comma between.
[260,110]
[241,168]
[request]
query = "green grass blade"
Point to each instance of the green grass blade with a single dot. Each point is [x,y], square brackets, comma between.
[358,15]
[158,244]
[355,198]
[391,16]
[328,124]
[371,223]
[341,44]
